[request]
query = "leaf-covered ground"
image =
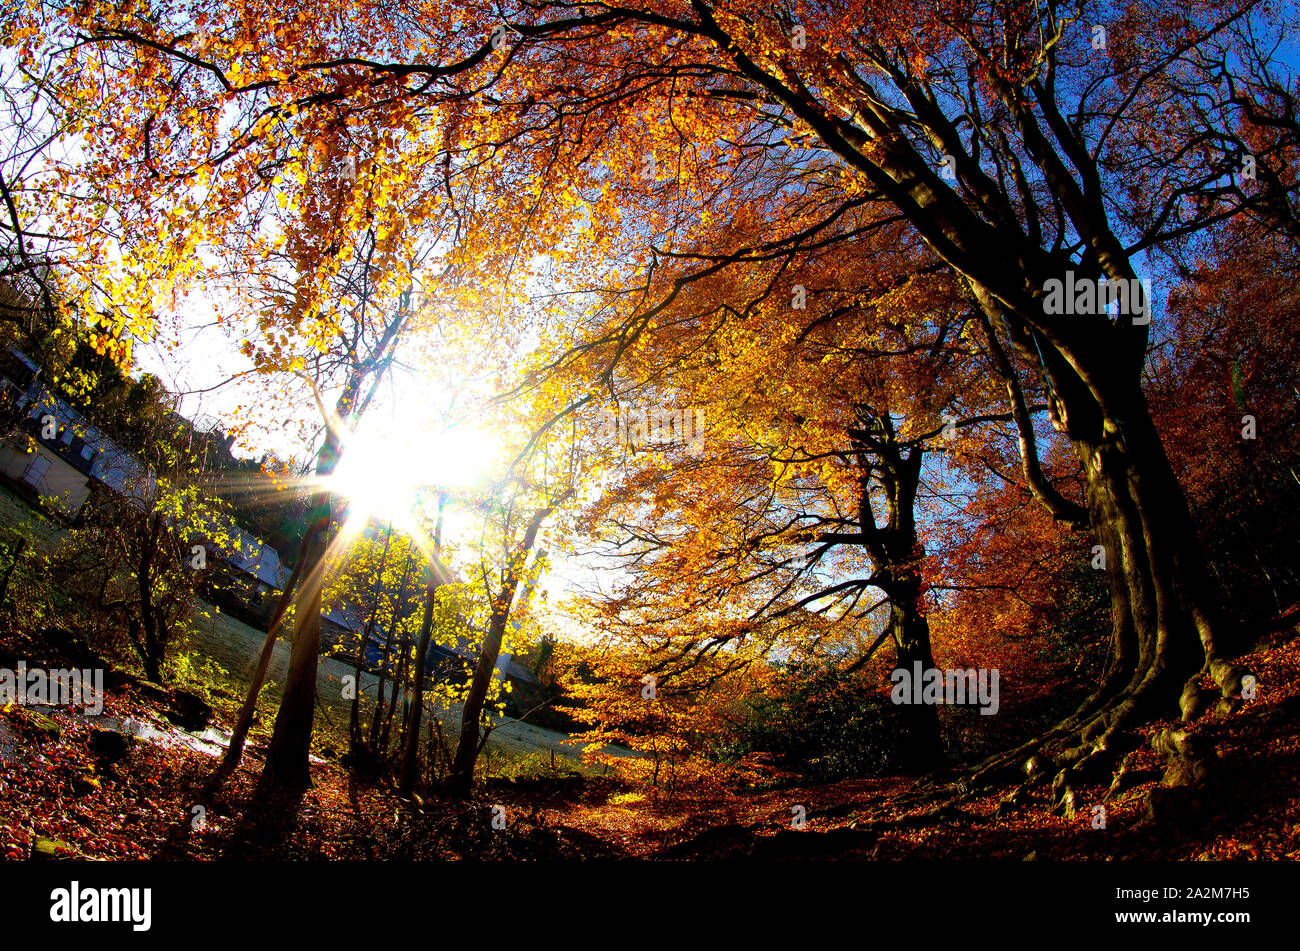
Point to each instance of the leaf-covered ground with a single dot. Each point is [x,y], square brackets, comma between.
[65,791]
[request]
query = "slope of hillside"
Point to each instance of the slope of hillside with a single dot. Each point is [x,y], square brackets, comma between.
[68,788]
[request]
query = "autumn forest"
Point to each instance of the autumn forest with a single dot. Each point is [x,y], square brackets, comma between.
[440,430]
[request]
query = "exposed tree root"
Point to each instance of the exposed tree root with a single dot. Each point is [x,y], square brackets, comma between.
[1095,739]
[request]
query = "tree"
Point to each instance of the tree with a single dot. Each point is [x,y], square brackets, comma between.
[502,600]
[141,550]
[675,729]
[961,126]
[363,331]
[790,511]
[435,608]
[1005,136]
[375,581]
[396,634]
[30,240]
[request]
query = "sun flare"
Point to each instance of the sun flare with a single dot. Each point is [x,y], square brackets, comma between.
[389,465]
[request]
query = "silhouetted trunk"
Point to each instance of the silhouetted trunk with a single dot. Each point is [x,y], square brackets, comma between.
[287,757]
[411,734]
[377,715]
[1162,630]
[151,645]
[467,749]
[921,741]
[245,719]
[894,468]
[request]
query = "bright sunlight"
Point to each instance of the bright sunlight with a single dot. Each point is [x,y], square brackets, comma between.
[392,459]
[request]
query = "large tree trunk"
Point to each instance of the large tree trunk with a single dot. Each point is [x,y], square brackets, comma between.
[921,741]
[896,552]
[245,720]
[1161,631]
[288,756]
[1162,627]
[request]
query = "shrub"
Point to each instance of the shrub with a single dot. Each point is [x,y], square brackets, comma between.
[824,725]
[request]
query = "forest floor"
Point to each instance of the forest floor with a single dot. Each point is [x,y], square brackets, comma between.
[68,790]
